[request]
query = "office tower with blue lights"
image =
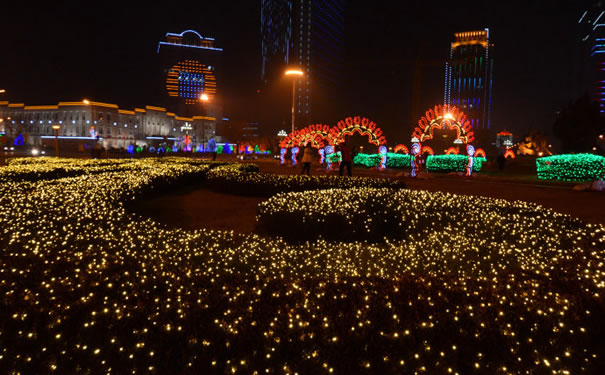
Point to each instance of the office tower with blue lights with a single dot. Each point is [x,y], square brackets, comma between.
[469,78]
[307,34]
[191,67]
[590,70]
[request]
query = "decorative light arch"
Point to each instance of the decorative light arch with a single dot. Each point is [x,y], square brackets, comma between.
[452,151]
[317,134]
[480,153]
[427,150]
[401,148]
[444,117]
[509,154]
[361,125]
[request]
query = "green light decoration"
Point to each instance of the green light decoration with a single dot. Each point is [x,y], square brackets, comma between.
[436,163]
[219,149]
[335,157]
[256,149]
[452,163]
[568,167]
[372,160]
[138,150]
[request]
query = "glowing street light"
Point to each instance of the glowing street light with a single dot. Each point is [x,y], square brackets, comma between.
[204,97]
[293,73]
[85,101]
[56,129]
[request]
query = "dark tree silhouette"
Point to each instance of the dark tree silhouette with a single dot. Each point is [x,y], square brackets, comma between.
[579,125]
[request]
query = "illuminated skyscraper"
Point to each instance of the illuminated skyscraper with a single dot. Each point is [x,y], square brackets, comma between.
[190,65]
[308,34]
[590,69]
[469,77]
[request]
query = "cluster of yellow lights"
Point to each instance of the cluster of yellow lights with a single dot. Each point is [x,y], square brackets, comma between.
[477,286]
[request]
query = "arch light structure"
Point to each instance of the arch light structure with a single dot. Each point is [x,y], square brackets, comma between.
[444,117]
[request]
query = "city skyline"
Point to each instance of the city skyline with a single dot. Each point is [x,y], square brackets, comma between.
[74,58]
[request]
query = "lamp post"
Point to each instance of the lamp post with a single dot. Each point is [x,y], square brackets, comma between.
[204,98]
[56,129]
[294,73]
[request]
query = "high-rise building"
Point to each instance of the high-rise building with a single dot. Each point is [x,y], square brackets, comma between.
[190,64]
[590,63]
[308,34]
[469,77]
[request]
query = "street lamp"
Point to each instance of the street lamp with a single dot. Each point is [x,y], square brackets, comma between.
[56,129]
[204,98]
[294,73]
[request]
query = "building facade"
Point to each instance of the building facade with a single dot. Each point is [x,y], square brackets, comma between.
[308,34]
[191,67]
[589,69]
[469,78]
[105,123]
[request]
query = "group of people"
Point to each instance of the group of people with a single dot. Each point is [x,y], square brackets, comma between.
[345,153]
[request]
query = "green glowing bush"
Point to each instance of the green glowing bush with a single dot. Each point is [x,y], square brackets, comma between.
[393,160]
[452,163]
[576,167]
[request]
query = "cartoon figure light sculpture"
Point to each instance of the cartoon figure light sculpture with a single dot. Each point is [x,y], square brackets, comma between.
[329,151]
[294,154]
[321,152]
[470,150]
[382,150]
[415,151]
[282,154]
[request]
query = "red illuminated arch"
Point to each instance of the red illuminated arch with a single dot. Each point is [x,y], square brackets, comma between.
[452,150]
[509,154]
[357,124]
[480,153]
[444,117]
[427,150]
[401,148]
[317,134]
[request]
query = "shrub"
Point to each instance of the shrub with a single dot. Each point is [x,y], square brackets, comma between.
[571,167]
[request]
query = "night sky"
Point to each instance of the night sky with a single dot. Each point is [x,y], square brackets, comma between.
[107,52]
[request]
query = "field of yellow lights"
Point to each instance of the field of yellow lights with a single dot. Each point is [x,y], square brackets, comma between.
[383,279]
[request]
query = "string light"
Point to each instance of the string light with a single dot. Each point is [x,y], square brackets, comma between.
[473,282]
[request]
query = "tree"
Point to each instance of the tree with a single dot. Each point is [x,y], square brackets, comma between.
[579,125]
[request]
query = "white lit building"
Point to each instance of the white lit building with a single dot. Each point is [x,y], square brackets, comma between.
[111,126]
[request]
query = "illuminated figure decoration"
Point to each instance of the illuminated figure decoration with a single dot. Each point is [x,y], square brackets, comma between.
[282,154]
[509,154]
[416,147]
[428,150]
[321,152]
[151,149]
[93,132]
[318,135]
[444,117]
[480,153]
[470,150]
[211,145]
[187,143]
[130,149]
[189,79]
[294,152]
[401,148]
[329,151]
[452,151]
[19,140]
[357,124]
[382,150]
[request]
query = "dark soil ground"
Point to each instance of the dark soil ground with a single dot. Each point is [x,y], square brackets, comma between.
[199,207]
